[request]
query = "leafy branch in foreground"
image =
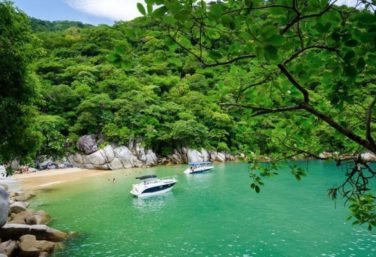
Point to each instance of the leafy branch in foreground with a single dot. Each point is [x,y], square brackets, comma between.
[306,59]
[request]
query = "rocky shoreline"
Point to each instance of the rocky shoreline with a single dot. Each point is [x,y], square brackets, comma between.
[26,232]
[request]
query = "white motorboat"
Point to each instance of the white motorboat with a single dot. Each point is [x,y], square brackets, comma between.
[198,167]
[151,185]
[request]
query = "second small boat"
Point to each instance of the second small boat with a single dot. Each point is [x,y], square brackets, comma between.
[198,167]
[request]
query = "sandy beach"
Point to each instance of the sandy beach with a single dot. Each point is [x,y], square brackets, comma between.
[46,178]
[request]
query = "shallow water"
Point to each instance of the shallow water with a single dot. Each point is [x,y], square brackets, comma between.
[212,214]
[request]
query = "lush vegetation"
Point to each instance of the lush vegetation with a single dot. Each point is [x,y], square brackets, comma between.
[278,78]
[310,65]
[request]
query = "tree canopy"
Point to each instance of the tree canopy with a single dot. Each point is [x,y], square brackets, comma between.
[310,65]
[18,86]
[281,78]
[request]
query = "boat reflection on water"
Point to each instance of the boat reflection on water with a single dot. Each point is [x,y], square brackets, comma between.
[153,204]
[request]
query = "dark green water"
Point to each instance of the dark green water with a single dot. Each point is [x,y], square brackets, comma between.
[213,214]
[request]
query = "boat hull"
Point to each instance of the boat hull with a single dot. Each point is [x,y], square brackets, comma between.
[198,170]
[157,190]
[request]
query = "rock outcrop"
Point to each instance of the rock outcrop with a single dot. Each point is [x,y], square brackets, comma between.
[30,246]
[185,155]
[134,155]
[26,234]
[87,144]
[4,206]
[8,248]
[369,157]
[112,157]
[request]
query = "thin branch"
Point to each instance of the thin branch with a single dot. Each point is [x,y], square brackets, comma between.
[369,121]
[298,17]
[343,130]
[295,83]
[259,110]
[303,49]
[217,63]
[267,79]
[249,9]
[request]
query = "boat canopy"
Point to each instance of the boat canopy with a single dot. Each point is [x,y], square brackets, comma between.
[198,163]
[146,177]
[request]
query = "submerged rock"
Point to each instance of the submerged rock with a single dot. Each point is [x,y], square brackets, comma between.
[41,232]
[30,246]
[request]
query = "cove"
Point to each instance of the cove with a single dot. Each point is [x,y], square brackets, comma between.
[212,214]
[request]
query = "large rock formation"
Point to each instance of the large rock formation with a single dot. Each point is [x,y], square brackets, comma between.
[42,232]
[87,144]
[4,206]
[30,246]
[197,156]
[369,157]
[135,155]
[110,157]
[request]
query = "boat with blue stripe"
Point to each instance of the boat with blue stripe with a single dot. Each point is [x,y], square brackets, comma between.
[198,167]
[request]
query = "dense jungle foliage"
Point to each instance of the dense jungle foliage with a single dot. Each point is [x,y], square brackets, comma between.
[130,81]
[195,74]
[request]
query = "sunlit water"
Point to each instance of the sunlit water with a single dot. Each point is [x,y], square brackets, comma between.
[212,214]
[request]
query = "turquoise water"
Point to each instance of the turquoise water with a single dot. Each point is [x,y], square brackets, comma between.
[213,214]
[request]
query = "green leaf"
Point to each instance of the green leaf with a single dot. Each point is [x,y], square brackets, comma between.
[141,8]
[159,12]
[149,7]
[275,40]
[361,63]
[351,43]
[350,70]
[336,36]
[349,55]
[366,17]
[270,52]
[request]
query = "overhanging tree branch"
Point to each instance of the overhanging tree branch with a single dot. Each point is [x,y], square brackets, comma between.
[299,17]
[369,121]
[302,50]
[343,130]
[294,82]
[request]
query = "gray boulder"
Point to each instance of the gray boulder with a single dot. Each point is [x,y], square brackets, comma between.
[3,171]
[221,157]
[126,157]
[205,155]
[194,156]
[213,156]
[4,206]
[109,154]
[87,144]
[150,158]
[96,158]
[115,164]
[369,157]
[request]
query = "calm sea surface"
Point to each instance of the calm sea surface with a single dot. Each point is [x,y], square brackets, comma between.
[212,214]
